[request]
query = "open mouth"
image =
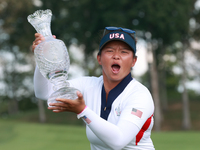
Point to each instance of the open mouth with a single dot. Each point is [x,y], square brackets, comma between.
[115,68]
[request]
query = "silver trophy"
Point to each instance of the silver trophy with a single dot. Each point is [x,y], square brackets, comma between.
[52,57]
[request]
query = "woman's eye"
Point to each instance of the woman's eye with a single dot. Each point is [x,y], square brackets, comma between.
[109,50]
[124,52]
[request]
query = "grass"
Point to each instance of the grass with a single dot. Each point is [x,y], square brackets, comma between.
[23,131]
[34,136]
[176,140]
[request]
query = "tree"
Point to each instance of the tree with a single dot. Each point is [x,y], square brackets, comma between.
[186,112]
[160,19]
[15,43]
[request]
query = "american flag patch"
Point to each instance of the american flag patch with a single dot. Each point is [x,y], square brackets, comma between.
[87,120]
[136,112]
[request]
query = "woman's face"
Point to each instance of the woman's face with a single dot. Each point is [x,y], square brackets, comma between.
[116,59]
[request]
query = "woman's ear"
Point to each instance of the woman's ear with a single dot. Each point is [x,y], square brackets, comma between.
[99,59]
[134,61]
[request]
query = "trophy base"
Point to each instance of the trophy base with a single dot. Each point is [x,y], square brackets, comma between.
[65,92]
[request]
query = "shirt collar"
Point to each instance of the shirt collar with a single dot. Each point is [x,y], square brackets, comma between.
[113,94]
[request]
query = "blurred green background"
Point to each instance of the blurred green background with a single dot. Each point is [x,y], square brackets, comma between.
[168,64]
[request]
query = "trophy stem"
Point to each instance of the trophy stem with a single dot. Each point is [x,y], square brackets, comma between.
[59,80]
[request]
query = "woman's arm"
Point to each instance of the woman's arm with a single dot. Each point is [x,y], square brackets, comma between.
[42,86]
[114,136]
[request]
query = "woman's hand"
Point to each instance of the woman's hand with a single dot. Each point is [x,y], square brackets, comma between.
[76,106]
[38,39]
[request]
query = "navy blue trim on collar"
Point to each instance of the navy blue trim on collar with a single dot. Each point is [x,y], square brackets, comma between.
[113,94]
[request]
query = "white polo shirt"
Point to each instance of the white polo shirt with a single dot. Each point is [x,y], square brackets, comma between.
[134,105]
